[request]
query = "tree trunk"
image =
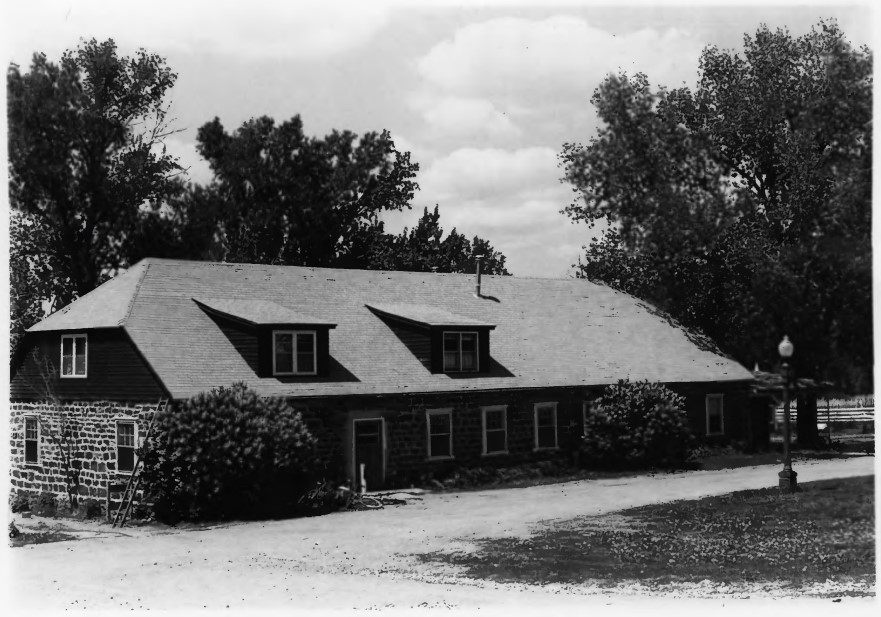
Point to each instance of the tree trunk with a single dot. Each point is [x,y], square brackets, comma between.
[807,434]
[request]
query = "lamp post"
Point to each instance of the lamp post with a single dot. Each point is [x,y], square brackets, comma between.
[788,482]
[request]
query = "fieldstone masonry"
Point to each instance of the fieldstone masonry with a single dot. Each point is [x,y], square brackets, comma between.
[408,434]
[92,431]
[89,429]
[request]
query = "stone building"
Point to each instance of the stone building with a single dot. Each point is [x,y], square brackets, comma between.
[403,375]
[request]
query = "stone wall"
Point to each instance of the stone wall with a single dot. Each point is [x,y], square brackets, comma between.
[406,461]
[89,429]
[406,431]
[408,439]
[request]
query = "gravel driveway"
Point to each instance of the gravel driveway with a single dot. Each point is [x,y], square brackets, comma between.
[361,559]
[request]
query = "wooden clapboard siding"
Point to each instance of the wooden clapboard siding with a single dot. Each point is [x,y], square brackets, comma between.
[417,341]
[244,338]
[115,370]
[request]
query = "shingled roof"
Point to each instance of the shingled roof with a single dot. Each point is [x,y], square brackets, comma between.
[428,316]
[548,332]
[258,312]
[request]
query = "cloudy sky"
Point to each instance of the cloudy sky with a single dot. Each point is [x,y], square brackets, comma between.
[482,94]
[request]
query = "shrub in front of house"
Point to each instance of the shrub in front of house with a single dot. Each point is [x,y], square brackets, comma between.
[228,454]
[636,425]
[44,504]
[20,502]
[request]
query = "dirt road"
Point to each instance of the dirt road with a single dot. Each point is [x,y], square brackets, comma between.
[353,559]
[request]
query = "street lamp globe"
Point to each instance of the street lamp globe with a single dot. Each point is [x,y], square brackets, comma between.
[785,348]
[787,477]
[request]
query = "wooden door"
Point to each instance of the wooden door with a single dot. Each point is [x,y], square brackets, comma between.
[369,452]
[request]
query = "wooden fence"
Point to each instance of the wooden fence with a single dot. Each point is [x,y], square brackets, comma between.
[839,415]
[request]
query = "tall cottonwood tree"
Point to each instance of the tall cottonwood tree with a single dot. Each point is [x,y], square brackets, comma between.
[86,160]
[743,207]
[281,196]
[424,249]
[284,197]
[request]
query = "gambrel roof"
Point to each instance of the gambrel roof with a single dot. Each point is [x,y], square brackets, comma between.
[548,332]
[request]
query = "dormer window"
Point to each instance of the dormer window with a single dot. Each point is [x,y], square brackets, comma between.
[274,340]
[294,352]
[443,341]
[460,352]
[73,355]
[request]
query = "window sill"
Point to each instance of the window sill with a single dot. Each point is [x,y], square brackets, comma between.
[499,453]
[545,448]
[440,458]
[73,376]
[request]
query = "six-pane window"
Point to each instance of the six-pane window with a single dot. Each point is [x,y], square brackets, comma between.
[715,415]
[31,440]
[440,433]
[495,431]
[293,352]
[73,355]
[125,446]
[546,425]
[460,351]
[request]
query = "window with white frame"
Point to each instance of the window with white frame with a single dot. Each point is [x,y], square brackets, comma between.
[294,352]
[545,425]
[126,442]
[73,355]
[440,433]
[495,430]
[715,414]
[460,351]
[31,439]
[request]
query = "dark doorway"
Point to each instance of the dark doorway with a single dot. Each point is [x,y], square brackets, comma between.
[369,452]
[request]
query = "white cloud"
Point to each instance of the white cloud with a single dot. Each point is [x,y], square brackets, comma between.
[197,168]
[419,152]
[459,119]
[509,89]
[511,198]
[254,29]
[525,61]
[472,173]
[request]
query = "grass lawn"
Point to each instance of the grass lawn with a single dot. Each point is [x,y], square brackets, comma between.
[826,531]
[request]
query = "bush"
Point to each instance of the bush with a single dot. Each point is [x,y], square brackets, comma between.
[91,508]
[45,504]
[228,454]
[20,502]
[637,425]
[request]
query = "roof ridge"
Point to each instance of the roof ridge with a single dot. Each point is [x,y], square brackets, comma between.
[183,262]
[131,301]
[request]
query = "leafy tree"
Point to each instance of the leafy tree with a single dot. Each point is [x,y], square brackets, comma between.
[743,207]
[636,424]
[228,453]
[284,197]
[186,227]
[33,275]
[86,162]
[421,249]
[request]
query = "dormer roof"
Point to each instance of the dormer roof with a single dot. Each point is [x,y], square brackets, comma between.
[427,316]
[259,312]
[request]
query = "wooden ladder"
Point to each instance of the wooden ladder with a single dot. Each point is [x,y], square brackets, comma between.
[134,480]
